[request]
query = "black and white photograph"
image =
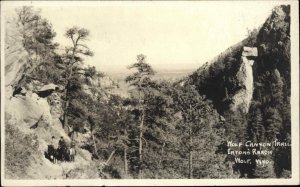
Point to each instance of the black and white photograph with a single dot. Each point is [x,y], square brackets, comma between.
[149,92]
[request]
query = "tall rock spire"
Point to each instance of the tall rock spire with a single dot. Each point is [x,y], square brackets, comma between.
[242,98]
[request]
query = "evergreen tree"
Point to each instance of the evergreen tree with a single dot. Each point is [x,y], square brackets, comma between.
[141,81]
[200,136]
[72,59]
[273,123]
[257,129]
[160,131]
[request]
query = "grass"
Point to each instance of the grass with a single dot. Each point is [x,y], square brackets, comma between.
[20,148]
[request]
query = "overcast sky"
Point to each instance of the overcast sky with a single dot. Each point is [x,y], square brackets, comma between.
[173,35]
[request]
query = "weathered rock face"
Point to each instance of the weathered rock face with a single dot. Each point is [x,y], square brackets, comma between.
[104,82]
[16,57]
[243,97]
[35,103]
[28,109]
[100,84]
[56,105]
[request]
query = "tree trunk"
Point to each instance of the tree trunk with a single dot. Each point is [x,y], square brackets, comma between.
[190,155]
[125,161]
[95,147]
[93,137]
[226,93]
[140,136]
[162,153]
[190,165]
[125,157]
[141,143]
[110,156]
[65,124]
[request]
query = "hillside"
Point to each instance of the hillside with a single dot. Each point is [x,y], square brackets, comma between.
[223,69]
[253,93]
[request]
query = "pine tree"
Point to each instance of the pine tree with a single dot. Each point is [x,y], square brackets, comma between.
[199,133]
[273,123]
[257,129]
[141,81]
[72,58]
[160,131]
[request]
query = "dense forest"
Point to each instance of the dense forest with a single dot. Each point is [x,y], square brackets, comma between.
[163,129]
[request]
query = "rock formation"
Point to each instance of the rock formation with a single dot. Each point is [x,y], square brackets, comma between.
[15,54]
[244,76]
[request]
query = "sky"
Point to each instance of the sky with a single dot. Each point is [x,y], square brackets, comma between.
[173,35]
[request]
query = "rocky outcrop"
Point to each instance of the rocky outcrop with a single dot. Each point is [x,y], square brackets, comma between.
[242,98]
[16,57]
[99,86]
[28,109]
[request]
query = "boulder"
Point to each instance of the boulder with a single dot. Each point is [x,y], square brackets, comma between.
[28,109]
